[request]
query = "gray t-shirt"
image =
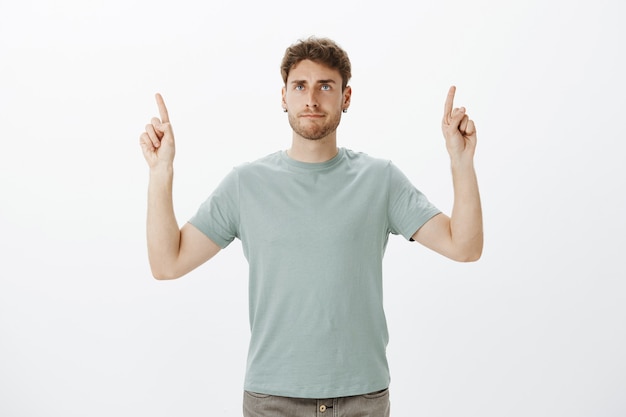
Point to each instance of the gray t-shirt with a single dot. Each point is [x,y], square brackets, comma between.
[314,235]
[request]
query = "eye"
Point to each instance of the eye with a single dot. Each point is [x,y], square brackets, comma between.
[299,87]
[325,87]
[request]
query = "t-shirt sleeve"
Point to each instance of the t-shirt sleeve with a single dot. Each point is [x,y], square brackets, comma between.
[218,216]
[408,208]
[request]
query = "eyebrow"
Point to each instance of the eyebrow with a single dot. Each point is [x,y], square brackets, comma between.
[317,82]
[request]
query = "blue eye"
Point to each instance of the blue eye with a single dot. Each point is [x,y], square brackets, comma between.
[325,87]
[299,87]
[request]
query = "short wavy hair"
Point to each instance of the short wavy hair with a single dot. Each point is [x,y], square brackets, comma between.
[321,50]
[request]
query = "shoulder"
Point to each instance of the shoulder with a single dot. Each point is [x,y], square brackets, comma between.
[367,164]
[365,160]
[267,162]
[384,170]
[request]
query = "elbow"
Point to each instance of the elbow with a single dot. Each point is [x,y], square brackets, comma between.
[469,257]
[162,277]
[161,274]
[164,269]
[470,254]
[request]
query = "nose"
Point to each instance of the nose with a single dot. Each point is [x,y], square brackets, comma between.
[312,99]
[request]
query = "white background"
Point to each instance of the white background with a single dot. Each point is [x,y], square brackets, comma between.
[536,328]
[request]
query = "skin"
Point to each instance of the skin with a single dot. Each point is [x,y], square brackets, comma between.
[172,252]
[460,236]
[314,101]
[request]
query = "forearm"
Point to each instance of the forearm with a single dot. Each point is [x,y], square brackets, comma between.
[163,233]
[466,223]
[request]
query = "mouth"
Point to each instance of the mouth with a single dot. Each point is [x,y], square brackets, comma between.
[312,115]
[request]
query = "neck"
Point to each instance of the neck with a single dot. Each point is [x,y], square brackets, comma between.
[312,151]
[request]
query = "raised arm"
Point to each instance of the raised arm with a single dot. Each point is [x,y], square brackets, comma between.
[460,236]
[172,251]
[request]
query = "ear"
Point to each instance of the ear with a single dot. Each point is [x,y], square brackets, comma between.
[347,96]
[284,98]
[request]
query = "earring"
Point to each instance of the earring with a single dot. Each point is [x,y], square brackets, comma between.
[345,110]
[284,109]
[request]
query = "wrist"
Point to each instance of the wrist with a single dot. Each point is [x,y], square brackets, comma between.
[162,170]
[461,163]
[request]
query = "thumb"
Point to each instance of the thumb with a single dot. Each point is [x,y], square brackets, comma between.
[164,127]
[167,134]
[161,128]
[457,116]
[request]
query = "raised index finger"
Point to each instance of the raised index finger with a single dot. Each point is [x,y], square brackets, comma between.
[165,118]
[447,109]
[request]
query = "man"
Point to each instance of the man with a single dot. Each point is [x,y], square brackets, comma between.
[314,222]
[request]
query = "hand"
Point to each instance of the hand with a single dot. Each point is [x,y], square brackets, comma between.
[458,129]
[157,142]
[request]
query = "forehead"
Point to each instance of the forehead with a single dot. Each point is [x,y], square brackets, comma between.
[313,71]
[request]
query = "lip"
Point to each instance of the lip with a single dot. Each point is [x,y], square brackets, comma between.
[312,115]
